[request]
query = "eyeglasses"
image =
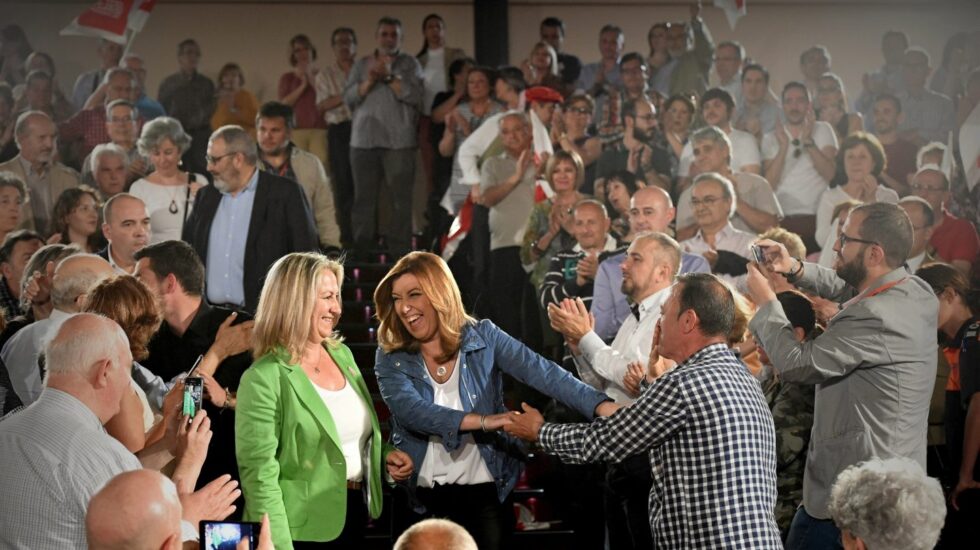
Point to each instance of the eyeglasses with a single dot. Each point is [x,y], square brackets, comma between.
[843,239]
[707,201]
[217,159]
[122,119]
[580,110]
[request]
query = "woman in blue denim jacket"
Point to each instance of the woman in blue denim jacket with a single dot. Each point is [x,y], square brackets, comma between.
[440,373]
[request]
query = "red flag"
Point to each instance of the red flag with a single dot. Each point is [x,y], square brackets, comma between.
[110,19]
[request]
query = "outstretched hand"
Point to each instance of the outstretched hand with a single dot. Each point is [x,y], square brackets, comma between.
[526,425]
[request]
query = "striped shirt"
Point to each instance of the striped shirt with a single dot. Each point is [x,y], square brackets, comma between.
[712,448]
[56,455]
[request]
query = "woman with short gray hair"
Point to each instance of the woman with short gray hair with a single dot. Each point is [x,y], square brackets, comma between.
[167,191]
[886,504]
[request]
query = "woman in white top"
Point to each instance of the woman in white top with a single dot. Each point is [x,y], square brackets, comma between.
[860,162]
[167,191]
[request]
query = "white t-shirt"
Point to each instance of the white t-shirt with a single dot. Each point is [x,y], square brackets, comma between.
[433,78]
[350,416]
[464,466]
[801,185]
[745,152]
[161,202]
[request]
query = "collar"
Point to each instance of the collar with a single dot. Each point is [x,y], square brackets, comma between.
[608,246]
[653,302]
[112,262]
[28,167]
[59,316]
[724,231]
[250,186]
[718,348]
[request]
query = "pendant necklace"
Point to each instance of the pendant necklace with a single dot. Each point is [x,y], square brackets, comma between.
[441,371]
[173,206]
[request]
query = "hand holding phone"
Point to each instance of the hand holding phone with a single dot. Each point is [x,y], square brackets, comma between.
[222,534]
[193,396]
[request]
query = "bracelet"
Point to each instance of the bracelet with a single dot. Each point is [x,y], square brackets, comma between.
[483,422]
[229,400]
[794,275]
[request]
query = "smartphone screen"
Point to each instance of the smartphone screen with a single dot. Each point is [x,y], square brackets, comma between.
[227,534]
[193,396]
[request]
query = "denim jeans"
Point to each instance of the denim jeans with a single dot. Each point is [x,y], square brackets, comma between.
[810,533]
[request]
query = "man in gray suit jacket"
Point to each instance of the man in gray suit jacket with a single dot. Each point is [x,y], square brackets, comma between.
[875,365]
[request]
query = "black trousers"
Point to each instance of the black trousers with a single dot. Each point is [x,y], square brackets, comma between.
[352,537]
[475,507]
[507,282]
[341,177]
[627,503]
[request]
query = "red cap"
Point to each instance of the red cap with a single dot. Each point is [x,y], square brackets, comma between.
[542,94]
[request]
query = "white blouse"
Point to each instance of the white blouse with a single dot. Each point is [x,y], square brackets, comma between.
[353,423]
[464,466]
[166,205]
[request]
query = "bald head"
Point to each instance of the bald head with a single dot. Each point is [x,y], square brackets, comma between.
[135,511]
[651,210]
[74,277]
[435,534]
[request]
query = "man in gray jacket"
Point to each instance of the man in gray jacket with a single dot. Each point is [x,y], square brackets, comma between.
[875,365]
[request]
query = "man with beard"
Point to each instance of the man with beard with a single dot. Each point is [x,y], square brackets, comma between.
[900,153]
[637,152]
[37,138]
[237,252]
[875,365]
[798,160]
[608,120]
[278,155]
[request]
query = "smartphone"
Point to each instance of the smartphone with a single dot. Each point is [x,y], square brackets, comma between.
[759,254]
[227,534]
[197,363]
[193,396]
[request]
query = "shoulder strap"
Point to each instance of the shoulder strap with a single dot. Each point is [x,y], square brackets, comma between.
[187,196]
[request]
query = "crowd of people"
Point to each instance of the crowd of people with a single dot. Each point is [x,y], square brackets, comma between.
[739,316]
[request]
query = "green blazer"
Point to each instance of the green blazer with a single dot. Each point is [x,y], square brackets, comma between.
[289,455]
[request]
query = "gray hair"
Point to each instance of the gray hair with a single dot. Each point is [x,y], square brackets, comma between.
[727,188]
[67,288]
[123,103]
[159,129]
[39,261]
[715,135]
[593,203]
[928,214]
[514,114]
[24,122]
[10,179]
[237,140]
[111,73]
[435,533]
[889,503]
[103,149]
[75,349]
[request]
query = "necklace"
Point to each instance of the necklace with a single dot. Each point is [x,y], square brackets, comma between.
[441,371]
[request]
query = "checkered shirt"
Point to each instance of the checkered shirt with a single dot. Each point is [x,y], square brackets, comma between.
[712,450]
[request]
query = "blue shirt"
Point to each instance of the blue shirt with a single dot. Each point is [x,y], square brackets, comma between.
[609,305]
[226,248]
[149,108]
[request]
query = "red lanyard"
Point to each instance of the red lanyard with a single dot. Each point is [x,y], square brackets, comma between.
[874,292]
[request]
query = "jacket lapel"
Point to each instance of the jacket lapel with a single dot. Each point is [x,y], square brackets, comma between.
[310,399]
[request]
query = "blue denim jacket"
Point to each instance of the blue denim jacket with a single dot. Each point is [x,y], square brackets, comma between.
[406,389]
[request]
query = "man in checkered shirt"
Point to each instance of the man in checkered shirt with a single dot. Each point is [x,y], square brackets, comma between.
[705,424]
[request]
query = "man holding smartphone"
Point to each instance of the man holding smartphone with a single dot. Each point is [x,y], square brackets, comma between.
[874,366]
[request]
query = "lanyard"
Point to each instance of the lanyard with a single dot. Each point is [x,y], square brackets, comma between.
[874,292]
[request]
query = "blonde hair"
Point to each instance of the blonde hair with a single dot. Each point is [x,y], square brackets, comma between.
[282,320]
[439,287]
[570,157]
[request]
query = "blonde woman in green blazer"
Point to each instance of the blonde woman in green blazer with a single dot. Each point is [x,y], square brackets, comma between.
[307,437]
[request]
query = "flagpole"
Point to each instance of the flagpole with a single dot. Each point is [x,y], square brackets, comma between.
[130,36]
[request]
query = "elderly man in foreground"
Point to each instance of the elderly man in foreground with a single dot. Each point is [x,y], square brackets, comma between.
[711,488]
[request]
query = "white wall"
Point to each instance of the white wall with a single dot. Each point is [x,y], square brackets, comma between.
[256,34]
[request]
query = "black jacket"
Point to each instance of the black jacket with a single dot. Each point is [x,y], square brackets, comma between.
[281,223]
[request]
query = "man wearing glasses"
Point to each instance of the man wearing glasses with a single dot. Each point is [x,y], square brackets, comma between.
[88,128]
[875,365]
[954,239]
[637,152]
[245,222]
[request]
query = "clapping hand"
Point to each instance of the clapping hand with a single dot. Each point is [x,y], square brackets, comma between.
[571,318]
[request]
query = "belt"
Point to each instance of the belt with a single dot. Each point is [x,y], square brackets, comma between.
[356,485]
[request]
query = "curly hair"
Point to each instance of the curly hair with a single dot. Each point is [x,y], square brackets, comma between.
[128,302]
